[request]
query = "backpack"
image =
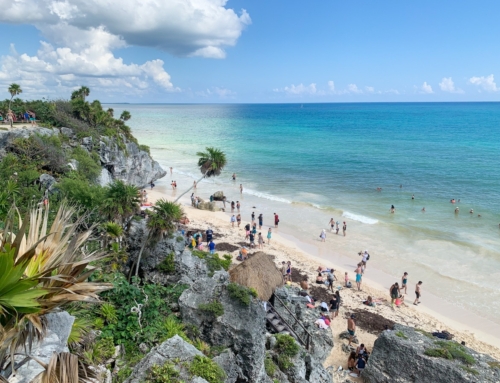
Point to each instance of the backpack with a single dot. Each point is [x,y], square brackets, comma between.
[368,257]
[349,285]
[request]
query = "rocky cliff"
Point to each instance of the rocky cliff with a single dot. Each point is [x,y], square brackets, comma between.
[120,158]
[406,355]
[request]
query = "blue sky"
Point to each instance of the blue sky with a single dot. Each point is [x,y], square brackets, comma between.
[253,51]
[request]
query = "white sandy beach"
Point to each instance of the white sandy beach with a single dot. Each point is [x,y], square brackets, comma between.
[286,247]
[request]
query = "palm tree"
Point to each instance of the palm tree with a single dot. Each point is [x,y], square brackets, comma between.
[42,269]
[113,231]
[14,90]
[84,92]
[163,219]
[211,163]
[125,116]
[121,200]
[111,112]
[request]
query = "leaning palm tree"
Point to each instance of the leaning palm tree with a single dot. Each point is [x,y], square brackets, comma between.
[211,163]
[42,268]
[125,116]
[14,90]
[163,219]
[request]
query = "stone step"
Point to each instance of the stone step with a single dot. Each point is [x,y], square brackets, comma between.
[270,316]
[276,322]
[280,328]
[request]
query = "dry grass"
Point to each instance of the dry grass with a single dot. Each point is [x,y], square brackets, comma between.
[258,272]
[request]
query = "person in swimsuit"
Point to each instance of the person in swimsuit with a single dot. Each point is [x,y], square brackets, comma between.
[344,228]
[283,271]
[241,189]
[359,275]
[238,219]
[351,362]
[234,176]
[394,292]
[289,271]
[261,241]
[351,328]
[269,236]
[404,281]
[253,216]
[393,209]
[232,206]
[337,227]
[418,293]
[323,235]
[261,219]
[332,224]
[238,206]
[276,220]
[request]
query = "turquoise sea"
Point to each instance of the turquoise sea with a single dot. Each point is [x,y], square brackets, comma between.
[313,162]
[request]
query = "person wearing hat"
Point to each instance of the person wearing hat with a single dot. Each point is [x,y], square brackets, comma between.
[209,234]
[366,257]
[351,328]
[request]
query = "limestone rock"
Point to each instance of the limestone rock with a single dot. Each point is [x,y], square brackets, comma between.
[47,181]
[227,360]
[398,357]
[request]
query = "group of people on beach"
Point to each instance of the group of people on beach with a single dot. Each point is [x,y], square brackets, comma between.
[27,116]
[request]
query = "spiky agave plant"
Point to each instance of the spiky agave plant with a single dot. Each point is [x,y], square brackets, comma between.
[42,269]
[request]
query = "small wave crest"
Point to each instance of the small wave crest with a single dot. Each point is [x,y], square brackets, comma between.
[310,204]
[266,196]
[360,218]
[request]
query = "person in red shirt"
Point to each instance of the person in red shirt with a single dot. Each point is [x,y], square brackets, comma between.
[276,220]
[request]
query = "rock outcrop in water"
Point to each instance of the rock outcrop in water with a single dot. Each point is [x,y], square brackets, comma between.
[403,356]
[120,159]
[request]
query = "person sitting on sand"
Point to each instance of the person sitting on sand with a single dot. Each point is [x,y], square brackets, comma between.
[369,301]
[400,301]
[323,307]
[319,279]
[326,319]
[243,254]
[321,324]
[304,285]
[351,361]
[360,365]
[362,351]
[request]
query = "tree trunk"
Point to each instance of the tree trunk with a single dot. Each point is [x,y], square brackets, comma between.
[140,255]
[204,175]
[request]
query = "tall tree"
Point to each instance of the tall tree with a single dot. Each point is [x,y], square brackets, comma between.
[121,200]
[211,163]
[162,220]
[14,90]
[125,116]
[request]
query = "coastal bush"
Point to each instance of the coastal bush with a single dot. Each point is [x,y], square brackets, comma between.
[207,369]
[163,374]
[89,165]
[103,349]
[83,193]
[173,326]
[168,264]
[214,262]
[401,334]
[80,328]
[269,366]
[425,333]
[180,238]
[214,308]
[108,312]
[284,362]
[145,148]
[450,350]
[286,345]
[240,293]
[202,346]
[470,370]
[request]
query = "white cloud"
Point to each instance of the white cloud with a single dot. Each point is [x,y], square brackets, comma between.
[485,83]
[353,88]
[369,89]
[426,88]
[216,91]
[447,85]
[82,35]
[331,86]
[299,89]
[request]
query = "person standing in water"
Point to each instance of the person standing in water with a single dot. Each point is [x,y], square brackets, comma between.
[234,176]
[241,189]
[276,220]
[323,235]
[171,170]
[332,224]
[232,206]
[253,216]
[418,293]
[238,206]
[337,227]
[393,209]
[344,228]
[261,219]
[269,236]
[194,185]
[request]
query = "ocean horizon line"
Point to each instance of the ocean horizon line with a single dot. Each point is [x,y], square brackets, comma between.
[303,103]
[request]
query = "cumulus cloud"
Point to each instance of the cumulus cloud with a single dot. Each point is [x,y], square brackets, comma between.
[447,85]
[80,37]
[485,83]
[353,88]
[331,86]
[369,89]
[426,88]
[300,89]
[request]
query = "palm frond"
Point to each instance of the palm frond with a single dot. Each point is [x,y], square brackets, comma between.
[211,162]
[65,367]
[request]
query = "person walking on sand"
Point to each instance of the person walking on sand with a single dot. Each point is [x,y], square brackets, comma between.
[172,184]
[253,216]
[289,271]
[323,235]
[261,219]
[346,279]
[359,276]
[233,220]
[238,206]
[404,281]
[232,206]
[365,259]
[241,189]
[261,241]
[210,234]
[269,236]
[276,220]
[238,219]
[337,227]
[194,184]
[351,328]
[344,228]
[332,224]
[418,293]
[394,292]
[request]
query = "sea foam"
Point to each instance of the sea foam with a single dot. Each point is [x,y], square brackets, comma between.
[266,196]
[360,218]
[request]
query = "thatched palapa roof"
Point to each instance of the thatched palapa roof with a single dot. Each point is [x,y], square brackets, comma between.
[259,272]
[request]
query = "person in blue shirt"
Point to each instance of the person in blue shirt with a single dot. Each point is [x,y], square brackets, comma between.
[211,247]
[360,365]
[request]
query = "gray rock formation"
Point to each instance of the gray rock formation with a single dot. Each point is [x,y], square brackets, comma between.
[47,181]
[399,357]
[58,329]
[227,360]
[8,136]
[173,349]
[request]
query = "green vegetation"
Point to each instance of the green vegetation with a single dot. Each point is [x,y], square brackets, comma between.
[207,369]
[202,346]
[215,308]
[401,334]
[450,350]
[103,350]
[269,366]
[108,313]
[173,326]
[214,262]
[470,370]
[240,293]
[425,333]
[494,365]
[168,264]
[163,374]
[286,348]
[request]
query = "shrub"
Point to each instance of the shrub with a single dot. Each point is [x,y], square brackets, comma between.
[240,293]
[469,370]
[269,366]
[145,148]
[88,164]
[202,346]
[104,349]
[108,312]
[425,333]
[214,262]
[207,369]
[286,345]
[167,265]
[163,374]
[401,335]
[174,326]
[215,308]
[450,350]
[180,238]
[284,362]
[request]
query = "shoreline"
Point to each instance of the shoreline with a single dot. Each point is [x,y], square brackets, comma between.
[307,257]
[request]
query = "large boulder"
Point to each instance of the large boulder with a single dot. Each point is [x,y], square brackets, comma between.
[174,349]
[58,329]
[399,356]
